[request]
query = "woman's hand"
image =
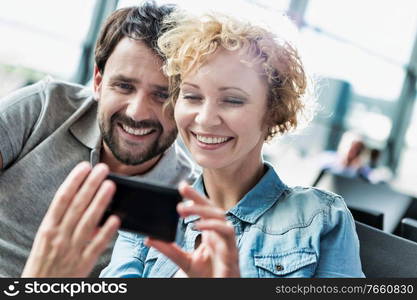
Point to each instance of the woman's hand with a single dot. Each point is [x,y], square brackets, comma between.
[217,255]
[68,242]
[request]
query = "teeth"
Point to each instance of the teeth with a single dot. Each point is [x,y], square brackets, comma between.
[136,131]
[211,140]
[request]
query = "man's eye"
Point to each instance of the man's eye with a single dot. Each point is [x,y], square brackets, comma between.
[126,87]
[162,95]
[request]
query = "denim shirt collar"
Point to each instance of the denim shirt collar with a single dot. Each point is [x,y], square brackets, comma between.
[256,202]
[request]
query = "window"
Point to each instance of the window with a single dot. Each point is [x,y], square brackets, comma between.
[368,45]
[41,37]
[246,7]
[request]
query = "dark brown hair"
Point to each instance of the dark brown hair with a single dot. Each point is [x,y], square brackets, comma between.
[142,23]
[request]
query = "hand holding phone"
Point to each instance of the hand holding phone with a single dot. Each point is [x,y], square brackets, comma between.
[217,255]
[145,208]
[68,243]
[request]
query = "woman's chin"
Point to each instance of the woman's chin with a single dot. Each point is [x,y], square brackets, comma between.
[209,163]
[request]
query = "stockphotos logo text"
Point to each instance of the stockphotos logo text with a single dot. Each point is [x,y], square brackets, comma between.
[71,289]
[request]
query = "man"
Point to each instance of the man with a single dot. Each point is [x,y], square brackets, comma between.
[48,128]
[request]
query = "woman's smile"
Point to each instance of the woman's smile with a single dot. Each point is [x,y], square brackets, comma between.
[210,141]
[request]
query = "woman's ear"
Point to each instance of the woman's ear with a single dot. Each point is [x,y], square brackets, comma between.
[267,126]
[97,81]
[267,133]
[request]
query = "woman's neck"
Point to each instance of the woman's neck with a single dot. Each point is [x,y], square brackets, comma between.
[226,186]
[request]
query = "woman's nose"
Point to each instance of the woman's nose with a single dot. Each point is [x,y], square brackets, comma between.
[208,115]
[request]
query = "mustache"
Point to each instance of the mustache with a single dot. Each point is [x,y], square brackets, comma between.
[143,124]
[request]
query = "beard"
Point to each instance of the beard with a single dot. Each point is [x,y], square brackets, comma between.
[139,152]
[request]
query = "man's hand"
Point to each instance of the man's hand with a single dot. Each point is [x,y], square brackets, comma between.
[68,242]
[217,255]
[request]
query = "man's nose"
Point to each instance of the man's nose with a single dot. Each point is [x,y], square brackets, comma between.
[139,107]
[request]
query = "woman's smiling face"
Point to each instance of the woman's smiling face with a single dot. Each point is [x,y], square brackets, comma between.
[221,109]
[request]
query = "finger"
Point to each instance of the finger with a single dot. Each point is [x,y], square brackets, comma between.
[204,211]
[172,251]
[83,198]
[189,192]
[88,222]
[65,194]
[218,246]
[224,258]
[100,242]
[225,229]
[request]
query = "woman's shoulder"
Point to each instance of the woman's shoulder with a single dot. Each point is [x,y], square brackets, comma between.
[302,206]
[301,197]
[315,196]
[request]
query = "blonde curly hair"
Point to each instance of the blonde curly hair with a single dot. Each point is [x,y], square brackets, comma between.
[191,40]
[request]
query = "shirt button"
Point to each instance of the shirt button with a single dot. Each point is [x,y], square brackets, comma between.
[279,267]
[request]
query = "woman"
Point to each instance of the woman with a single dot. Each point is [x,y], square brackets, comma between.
[235,86]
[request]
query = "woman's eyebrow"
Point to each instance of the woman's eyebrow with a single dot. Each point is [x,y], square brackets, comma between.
[223,88]
[191,84]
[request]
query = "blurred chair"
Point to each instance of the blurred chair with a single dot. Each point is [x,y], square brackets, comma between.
[409,229]
[319,177]
[364,196]
[386,255]
[369,217]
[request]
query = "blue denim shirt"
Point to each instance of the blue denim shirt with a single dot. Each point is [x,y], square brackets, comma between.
[281,231]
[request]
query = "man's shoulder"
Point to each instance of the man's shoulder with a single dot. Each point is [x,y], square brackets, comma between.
[32,114]
[62,91]
[185,165]
[48,92]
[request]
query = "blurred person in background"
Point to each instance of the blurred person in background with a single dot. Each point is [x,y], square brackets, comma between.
[353,158]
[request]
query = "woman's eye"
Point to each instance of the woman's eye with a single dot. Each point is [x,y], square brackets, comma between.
[191,97]
[235,101]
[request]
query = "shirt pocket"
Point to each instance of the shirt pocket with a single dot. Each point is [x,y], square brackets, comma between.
[299,263]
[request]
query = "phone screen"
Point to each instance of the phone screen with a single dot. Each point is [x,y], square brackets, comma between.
[145,208]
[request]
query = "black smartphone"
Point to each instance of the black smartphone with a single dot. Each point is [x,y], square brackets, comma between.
[144,208]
